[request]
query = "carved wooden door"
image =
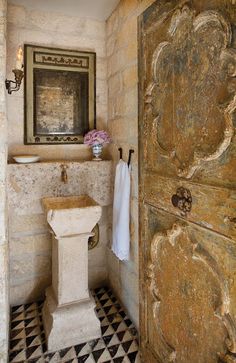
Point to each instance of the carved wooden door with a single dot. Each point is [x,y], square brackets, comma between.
[187,77]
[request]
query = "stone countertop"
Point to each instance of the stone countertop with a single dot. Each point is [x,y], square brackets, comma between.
[59,161]
[29,183]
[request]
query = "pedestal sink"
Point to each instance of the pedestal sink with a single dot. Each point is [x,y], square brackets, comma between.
[68,313]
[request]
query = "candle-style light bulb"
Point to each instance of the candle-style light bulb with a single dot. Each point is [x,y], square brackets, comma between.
[19,58]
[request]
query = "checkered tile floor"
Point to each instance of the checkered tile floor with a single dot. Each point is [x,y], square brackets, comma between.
[119,343]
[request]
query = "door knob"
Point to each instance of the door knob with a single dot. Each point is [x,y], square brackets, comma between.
[182,200]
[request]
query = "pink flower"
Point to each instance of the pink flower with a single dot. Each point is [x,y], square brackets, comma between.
[95,137]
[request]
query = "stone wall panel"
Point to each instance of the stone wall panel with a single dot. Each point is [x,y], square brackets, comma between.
[59,31]
[4,276]
[30,242]
[29,290]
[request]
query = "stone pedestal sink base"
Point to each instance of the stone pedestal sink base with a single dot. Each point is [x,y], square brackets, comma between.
[68,313]
[70,324]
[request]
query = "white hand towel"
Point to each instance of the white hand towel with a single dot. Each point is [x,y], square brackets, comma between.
[121,206]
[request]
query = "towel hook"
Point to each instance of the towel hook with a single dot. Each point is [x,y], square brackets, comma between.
[121,152]
[131,151]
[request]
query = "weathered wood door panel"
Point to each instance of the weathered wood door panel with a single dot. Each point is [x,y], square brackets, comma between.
[188,316]
[212,207]
[187,96]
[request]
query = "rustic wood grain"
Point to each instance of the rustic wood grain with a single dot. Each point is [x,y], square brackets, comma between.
[187,102]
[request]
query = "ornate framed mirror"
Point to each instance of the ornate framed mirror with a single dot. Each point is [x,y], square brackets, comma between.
[60,95]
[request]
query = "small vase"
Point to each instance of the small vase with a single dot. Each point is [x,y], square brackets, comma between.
[97,151]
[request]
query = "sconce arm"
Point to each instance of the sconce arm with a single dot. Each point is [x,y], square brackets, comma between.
[19,74]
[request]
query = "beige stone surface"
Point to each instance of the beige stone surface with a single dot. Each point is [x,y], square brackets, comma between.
[28,183]
[4,303]
[30,265]
[16,15]
[70,250]
[98,257]
[62,31]
[97,276]
[32,245]
[28,230]
[26,224]
[97,260]
[130,77]
[122,62]
[4,275]
[71,215]
[69,325]
[72,220]
[68,312]
[33,289]
[70,269]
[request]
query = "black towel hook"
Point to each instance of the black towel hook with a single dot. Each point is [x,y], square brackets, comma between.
[121,152]
[131,151]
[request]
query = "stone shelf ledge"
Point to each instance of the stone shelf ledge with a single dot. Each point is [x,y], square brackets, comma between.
[57,161]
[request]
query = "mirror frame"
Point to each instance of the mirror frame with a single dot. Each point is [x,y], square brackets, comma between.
[38,57]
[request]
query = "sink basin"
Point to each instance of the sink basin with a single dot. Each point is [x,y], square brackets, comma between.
[71,215]
[71,202]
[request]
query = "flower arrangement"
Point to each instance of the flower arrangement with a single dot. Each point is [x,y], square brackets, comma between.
[95,137]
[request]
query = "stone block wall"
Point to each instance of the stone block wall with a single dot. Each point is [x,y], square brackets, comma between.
[29,239]
[116,46]
[54,30]
[4,309]
[122,60]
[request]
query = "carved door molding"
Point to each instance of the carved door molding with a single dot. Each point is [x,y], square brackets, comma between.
[187,103]
[201,45]
[220,307]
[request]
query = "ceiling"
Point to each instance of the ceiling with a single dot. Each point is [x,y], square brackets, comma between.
[96,9]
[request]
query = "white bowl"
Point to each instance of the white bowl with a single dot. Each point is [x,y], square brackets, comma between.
[24,159]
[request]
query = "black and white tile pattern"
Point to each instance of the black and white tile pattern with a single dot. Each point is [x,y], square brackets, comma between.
[119,342]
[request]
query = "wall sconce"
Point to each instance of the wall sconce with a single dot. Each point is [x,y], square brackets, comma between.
[18,72]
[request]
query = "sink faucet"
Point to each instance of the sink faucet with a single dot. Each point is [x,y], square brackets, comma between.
[64,176]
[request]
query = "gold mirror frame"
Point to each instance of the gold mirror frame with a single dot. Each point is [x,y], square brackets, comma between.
[38,59]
